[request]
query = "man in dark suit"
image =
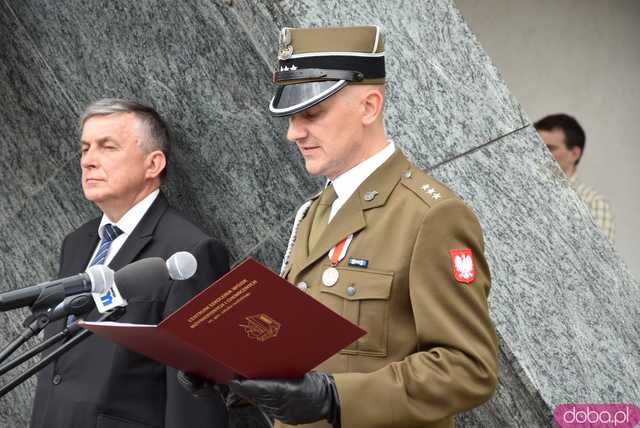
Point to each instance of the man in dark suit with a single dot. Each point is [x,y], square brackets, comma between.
[124,150]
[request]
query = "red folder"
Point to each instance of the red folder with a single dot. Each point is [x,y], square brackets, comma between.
[250,322]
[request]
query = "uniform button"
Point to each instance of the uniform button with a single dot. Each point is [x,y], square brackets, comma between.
[302,286]
[370,196]
[56,379]
[351,290]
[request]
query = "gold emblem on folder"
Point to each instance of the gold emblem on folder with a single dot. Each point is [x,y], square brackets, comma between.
[261,327]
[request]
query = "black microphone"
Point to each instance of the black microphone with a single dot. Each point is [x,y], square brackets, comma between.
[96,279]
[73,305]
[181,265]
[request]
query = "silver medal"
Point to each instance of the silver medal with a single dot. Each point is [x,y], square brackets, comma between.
[330,276]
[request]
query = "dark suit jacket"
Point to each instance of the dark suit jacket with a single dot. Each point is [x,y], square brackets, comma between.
[102,385]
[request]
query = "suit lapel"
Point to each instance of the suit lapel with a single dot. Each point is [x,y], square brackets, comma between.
[77,257]
[81,251]
[300,248]
[141,235]
[305,230]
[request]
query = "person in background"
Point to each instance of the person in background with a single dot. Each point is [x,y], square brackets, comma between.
[566,140]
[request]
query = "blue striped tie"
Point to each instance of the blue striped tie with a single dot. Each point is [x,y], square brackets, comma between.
[109,234]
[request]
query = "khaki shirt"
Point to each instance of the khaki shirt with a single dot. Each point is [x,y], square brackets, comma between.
[430,348]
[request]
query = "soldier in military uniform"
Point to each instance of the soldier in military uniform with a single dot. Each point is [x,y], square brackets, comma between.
[384,245]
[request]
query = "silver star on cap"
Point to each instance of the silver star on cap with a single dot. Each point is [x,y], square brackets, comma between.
[436,196]
[425,187]
[431,191]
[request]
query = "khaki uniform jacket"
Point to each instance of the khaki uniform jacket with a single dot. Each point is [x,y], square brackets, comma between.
[430,348]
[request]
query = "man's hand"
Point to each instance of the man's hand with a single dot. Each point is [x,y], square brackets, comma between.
[294,401]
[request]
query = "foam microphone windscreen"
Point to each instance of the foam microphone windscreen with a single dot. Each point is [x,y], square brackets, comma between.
[182,265]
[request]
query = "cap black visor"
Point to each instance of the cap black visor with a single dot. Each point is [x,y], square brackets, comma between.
[294,98]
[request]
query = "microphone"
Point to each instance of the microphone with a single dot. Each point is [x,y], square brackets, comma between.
[96,279]
[153,270]
[72,305]
[182,265]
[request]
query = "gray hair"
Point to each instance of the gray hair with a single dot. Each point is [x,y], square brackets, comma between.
[157,131]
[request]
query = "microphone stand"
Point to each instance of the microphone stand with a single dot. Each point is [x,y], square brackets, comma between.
[34,324]
[42,316]
[68,331]
[53,355]
[39,319]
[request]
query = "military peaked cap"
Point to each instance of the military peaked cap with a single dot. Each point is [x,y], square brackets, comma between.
[315,63]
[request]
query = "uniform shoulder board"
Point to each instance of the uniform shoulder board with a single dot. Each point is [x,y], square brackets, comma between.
[427,188]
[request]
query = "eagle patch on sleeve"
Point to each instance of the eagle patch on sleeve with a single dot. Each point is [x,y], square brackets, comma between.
[464,269]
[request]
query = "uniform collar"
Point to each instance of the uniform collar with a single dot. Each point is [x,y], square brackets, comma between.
[348,182]
[375,190]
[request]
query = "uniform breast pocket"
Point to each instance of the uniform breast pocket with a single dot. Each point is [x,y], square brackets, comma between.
[362,297]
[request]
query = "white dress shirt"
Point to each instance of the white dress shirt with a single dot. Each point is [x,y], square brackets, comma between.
[348,182]
[127,223]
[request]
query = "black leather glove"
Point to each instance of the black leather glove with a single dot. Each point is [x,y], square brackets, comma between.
[197,386]
[203,388]
[311,398]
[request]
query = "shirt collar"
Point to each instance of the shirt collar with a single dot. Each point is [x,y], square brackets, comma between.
[131,218]
[348,182]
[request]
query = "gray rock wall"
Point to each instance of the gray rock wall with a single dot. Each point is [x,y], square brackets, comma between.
[565,307]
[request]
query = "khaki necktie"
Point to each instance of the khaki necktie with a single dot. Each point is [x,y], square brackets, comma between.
[321,218]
